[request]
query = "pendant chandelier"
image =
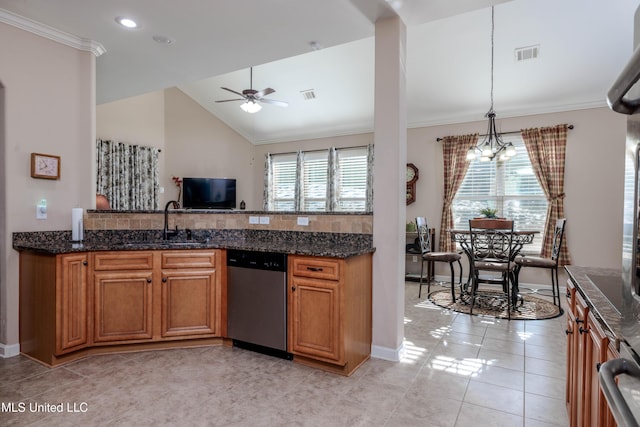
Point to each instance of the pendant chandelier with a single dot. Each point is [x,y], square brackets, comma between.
[492,146]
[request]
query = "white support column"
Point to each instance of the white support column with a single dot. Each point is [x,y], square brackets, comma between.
[389,206]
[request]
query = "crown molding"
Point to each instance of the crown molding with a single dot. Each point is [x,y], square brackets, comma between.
[51,33]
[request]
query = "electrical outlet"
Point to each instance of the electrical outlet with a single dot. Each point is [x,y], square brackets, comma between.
[264,220]
[303,220]
[414,259]
[41,209]
[254,220]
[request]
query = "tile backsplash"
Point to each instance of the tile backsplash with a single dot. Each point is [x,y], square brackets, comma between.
[330,223]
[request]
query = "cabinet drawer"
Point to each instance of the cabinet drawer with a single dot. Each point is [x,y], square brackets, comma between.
[189,259]
[123,260]
[319,268]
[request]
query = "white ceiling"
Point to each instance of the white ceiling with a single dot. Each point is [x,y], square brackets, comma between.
[583,46]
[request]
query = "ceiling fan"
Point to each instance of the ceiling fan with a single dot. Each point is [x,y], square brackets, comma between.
[251,97]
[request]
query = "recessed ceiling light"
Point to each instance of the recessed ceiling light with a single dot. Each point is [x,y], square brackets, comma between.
[126,22]
[315,45]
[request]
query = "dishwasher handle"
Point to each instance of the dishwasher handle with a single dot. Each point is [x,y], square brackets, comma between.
[625,81]
[609,370]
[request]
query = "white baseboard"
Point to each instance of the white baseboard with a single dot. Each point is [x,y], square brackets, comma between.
[385,353]
[11,350]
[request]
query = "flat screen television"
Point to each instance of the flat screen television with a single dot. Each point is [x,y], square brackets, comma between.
[209,193]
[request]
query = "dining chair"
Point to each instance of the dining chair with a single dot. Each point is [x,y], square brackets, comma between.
[549,263]
[429,257]
[491,251]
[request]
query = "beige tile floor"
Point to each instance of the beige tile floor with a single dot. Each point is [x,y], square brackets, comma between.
[459,370]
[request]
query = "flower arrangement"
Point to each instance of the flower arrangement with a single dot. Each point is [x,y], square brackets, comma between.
[178,182]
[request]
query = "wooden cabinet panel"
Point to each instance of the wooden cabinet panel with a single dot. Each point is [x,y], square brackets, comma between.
[123,306]
[315,267]
[189,259]
[572,366]
[316,319]
[190,303]
[72,302]
[582,382]
[123,260]
[596,353]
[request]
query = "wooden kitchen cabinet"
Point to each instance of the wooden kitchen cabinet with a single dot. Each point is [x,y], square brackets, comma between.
[123,296]
[330,311]
[72,299]
[191,294]
[588,346]
[54,305]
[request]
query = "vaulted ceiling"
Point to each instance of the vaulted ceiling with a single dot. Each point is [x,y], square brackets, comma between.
[582,44]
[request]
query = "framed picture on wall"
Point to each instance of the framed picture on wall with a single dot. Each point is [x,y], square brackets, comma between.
[45,166]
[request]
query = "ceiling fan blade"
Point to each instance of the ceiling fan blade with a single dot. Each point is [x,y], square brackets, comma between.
[228,100]
[274,102]
[232,91]
[264,92]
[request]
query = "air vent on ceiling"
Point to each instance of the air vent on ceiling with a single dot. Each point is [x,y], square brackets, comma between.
[308,94]
[527,53]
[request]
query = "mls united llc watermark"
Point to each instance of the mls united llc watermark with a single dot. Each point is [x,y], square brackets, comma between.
[66,407]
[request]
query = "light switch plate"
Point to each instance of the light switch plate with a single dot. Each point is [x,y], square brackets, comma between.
[303,220]
[264,220]
[254,220]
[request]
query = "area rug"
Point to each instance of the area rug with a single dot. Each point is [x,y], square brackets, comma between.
[494,304]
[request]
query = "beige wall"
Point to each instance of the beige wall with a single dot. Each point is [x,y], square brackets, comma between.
[593,178]
[200,145]
[49,100]
[194,143]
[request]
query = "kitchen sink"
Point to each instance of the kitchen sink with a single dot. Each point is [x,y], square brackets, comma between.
[167,243]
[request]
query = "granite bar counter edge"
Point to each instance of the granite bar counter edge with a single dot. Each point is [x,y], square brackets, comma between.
[336,245]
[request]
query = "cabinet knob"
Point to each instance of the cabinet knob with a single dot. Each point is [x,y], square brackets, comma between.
[568,332]
[149,280]
[293,288]
[582,330]
[578,320]
[85,263]
[598,367]
[164,280]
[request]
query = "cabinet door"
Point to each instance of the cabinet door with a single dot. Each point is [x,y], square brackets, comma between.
[190,303]
[609,421]
[596,350]
[582,379]
[572,365]
[315,319]
[123,306]
[72,303]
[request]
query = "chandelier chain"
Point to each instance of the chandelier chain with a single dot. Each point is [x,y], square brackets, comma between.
[492,31]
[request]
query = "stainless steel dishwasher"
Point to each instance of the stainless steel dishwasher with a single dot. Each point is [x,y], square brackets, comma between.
[257,301]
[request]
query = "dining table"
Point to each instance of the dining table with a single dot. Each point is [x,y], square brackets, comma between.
[519,239]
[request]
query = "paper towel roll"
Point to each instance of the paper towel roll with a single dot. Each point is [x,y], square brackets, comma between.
[76,224]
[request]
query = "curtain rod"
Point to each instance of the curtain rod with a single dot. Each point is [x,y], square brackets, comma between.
[320,149]
[503,133]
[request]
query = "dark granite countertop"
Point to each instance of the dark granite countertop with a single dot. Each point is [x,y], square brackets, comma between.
[334,245]
[589,281]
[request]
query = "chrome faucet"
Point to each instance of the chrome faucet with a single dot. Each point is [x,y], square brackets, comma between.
[166,233]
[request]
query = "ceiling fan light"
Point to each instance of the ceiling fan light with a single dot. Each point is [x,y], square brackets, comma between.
[250,107]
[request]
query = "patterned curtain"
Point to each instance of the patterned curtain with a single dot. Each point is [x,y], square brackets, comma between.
[370,158]
[547,148]
[267,195]
[127,175]
[333,179]
[454,156]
